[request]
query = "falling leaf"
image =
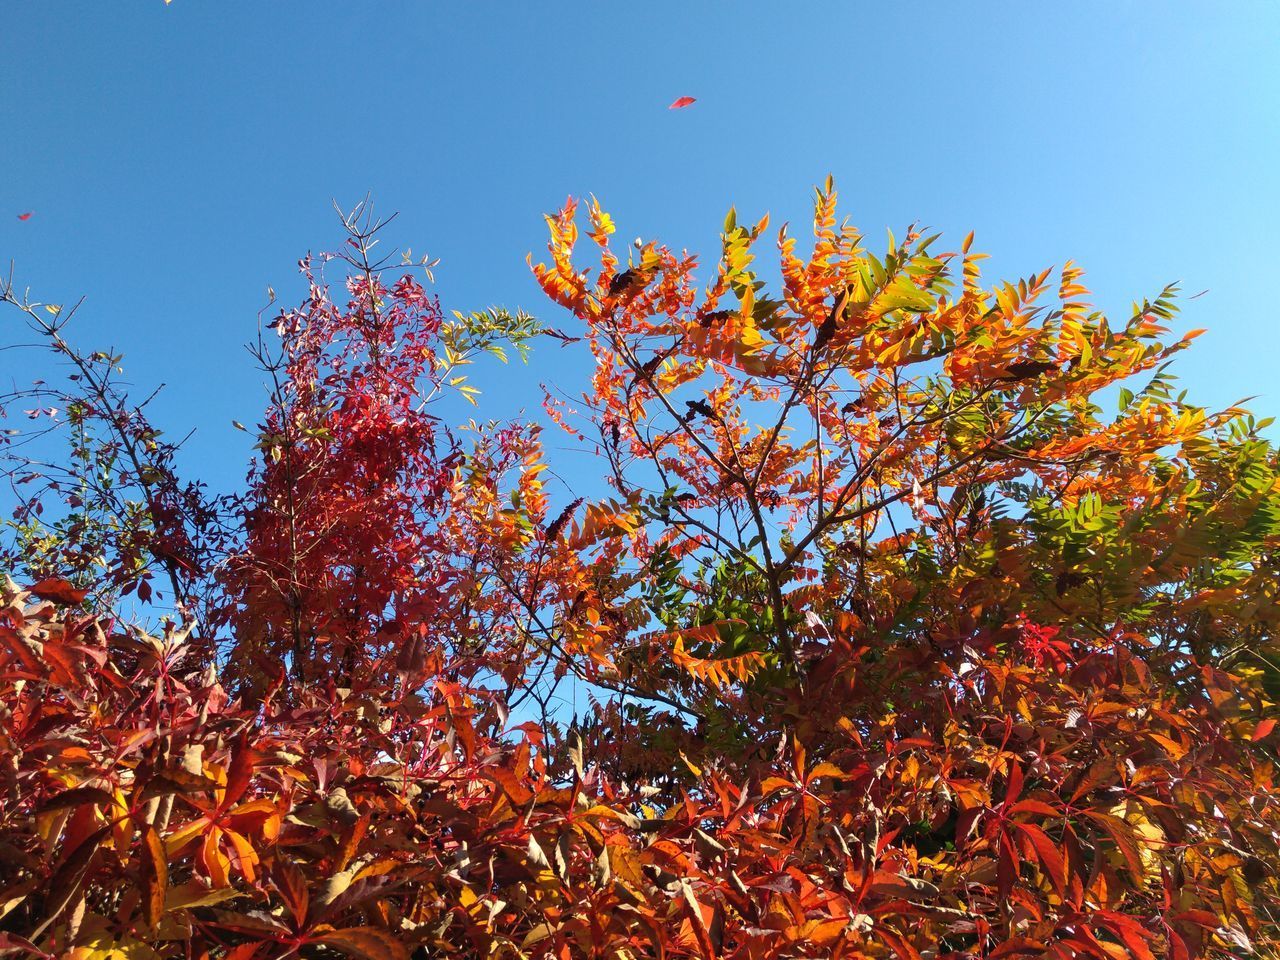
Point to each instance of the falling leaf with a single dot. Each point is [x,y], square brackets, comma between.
[26,216]
[681,102]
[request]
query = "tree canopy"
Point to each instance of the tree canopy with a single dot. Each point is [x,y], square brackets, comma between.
[919,617]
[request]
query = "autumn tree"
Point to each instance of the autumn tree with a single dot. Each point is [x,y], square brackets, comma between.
[887,445]
[948,576]
[351,553]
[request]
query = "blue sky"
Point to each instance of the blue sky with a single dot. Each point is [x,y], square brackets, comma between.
[179,159]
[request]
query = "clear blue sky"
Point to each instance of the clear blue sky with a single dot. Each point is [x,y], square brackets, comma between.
[179,159]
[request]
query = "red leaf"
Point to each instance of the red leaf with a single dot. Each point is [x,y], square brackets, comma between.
[1132,933]
[78,797]
[293,891]
[58,590]
[1048,854]
[899,944]
[21,650]
[1014,788]
[1202,918]
[1017,947]
[1007,865]
[66,880]
[25,216]
[1034,807]
[681,102]
[240,771]
[1264,729]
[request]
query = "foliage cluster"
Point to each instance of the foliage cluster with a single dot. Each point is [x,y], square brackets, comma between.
[924,619]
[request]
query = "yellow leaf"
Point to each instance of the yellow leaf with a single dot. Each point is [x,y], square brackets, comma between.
[828,770]
[693,767]
[540,932]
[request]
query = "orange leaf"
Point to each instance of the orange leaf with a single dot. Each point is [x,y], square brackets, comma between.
[718,672]
[1132,933]
[243,856]
[509,781]
[58,590]
[698,918]
[1048,854]
[156,876]
[215,862]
